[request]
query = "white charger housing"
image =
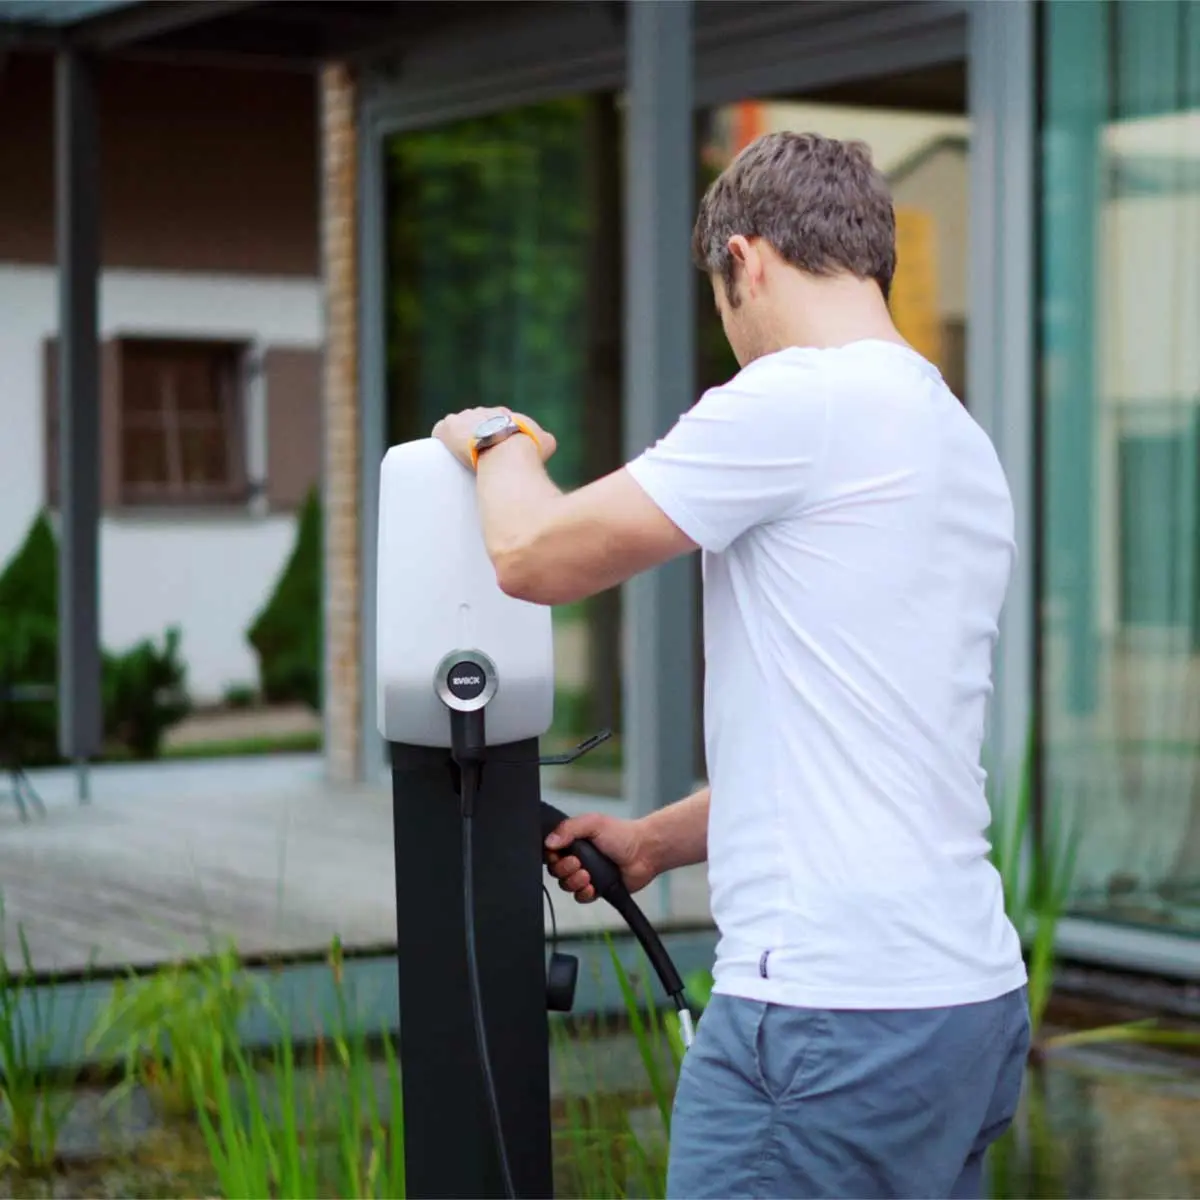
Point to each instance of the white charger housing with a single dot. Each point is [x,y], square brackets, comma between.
[437,595]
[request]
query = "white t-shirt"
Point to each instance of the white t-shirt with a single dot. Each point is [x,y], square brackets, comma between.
[857,531]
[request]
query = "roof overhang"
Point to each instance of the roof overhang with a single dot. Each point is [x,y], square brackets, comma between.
[259,33]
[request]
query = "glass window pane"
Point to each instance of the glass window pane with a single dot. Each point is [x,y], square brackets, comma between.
[199,380]
[204,455]
[144,454]
[1120,306]
[142,388]
[504,283]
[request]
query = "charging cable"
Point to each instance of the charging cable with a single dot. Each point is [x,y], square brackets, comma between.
[470,771]
[465,682]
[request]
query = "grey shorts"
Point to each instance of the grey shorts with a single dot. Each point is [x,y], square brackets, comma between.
[804,1103]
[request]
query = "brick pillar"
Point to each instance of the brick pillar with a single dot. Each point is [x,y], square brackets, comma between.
[342,465]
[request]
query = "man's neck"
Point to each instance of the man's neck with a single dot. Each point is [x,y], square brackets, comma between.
[823,314]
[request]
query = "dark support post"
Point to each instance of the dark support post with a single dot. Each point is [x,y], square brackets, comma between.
[449,1150]
[1071,233]
[78,231]
[659,368]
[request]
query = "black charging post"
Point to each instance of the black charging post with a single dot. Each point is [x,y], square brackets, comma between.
[449,1144]
[475,984]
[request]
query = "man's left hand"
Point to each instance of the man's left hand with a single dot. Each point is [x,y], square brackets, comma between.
[457,431]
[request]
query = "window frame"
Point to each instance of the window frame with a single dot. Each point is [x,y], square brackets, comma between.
[117,493]
[236,489]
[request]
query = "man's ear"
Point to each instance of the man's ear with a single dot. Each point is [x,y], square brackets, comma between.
[739,248]
[748,259]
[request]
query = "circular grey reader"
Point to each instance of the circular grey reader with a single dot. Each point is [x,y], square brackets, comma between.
[465,680]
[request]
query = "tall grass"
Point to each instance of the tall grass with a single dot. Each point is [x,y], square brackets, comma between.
[163,1028]
[280,1128]
[590,1140]
[600,1151]
[36,1096]
[1037,876]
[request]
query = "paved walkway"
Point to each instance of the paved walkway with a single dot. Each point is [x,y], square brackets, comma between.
[240,724]
[170,857]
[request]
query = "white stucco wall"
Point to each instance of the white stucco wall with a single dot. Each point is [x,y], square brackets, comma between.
[207,572]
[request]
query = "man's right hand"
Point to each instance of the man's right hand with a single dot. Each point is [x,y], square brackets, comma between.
[623,841]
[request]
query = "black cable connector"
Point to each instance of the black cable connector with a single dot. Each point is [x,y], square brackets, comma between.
[610,886]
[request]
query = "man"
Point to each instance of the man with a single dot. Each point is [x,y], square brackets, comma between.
[869,1026]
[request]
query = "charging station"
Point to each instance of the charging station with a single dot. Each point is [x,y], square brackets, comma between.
[465,691]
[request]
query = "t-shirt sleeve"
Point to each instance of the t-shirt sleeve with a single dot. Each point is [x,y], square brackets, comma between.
[743,455]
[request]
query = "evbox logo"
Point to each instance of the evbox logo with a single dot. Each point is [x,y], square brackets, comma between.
[466,680]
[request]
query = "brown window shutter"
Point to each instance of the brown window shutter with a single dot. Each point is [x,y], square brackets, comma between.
[110,422]
[110,425]
[293,383]
[50,418]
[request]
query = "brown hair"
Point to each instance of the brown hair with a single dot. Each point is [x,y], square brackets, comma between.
[820,203]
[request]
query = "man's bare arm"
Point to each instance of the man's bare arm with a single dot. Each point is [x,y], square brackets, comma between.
[553,548]
[677,836]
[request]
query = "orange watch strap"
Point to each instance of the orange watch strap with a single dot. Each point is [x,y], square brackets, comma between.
[521,426]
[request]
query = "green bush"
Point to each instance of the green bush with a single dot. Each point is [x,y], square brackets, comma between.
[145,694]
[29,584]
[286,634]
[143,689]
[29,639]
[240,695]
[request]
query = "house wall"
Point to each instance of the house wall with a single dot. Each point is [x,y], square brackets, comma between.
[201,169]
[208,571]
[209,228]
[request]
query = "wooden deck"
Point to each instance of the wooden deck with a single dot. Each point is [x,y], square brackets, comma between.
[168,858]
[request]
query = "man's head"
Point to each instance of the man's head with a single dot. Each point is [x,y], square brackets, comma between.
[793,202]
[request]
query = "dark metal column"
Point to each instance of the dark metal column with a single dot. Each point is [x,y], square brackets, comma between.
[1001,360]
[449,1146]
[78,231]
[659,372]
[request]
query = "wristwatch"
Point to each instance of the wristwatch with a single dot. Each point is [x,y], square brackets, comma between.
[495,430]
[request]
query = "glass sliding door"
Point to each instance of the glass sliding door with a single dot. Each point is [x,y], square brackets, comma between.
[504,288]
[1120,310]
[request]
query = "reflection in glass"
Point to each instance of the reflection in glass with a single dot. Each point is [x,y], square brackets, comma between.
[1120,311]
[504,276]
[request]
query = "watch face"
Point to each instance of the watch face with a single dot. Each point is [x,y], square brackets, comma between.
[492,426]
